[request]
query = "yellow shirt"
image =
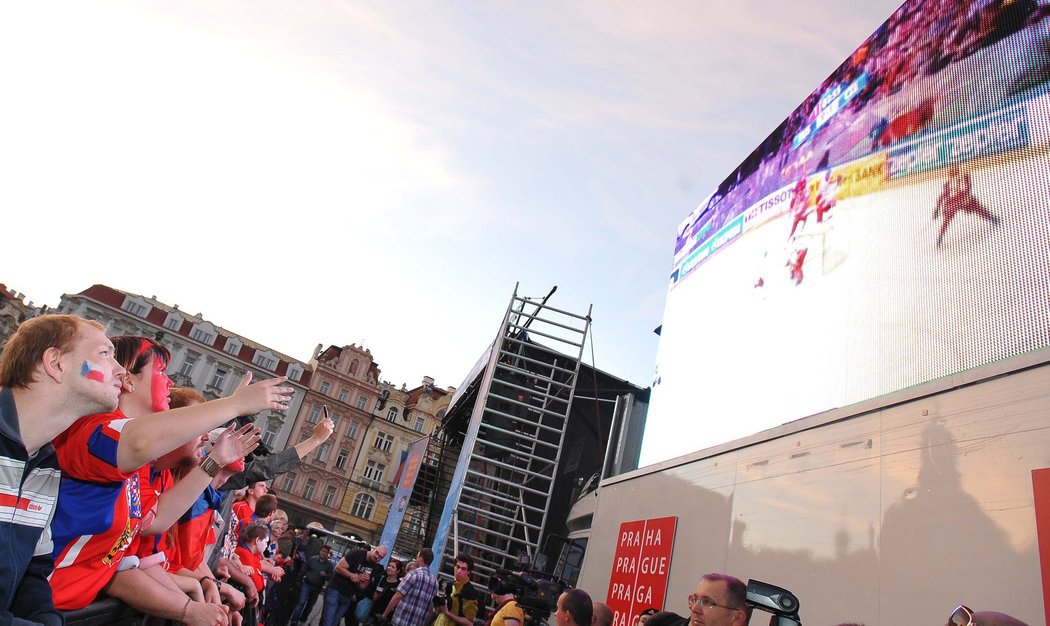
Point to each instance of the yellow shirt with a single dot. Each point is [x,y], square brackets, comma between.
[510,610]
[459,606]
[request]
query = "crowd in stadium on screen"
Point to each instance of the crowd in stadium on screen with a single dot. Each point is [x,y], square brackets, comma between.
[918,41]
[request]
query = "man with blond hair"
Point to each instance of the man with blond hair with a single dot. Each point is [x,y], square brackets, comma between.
[54,370]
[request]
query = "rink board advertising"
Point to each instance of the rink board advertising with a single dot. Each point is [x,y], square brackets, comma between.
[891,231]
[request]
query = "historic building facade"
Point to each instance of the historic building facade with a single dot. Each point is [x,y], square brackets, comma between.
[345,381]
[404,417]
[204,356]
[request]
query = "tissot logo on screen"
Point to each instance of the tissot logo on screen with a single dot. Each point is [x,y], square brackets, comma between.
[832,266]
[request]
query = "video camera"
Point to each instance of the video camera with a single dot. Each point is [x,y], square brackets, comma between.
[776,600]
[536,593]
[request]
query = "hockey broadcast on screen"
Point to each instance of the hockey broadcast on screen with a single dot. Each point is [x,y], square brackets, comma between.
[892,231]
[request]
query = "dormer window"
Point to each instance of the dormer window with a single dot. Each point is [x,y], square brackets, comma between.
[295,373]
[264,361]
[173,323]
[203,332]
[136,306]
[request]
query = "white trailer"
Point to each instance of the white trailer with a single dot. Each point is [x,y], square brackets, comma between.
[888,513]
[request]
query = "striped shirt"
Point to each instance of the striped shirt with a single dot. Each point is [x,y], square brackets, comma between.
[418,590]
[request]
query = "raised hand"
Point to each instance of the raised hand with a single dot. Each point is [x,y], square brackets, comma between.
[233,445]
[266,394]
[323,430]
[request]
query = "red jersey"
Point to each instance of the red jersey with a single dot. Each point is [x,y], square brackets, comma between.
[99,511]
[192,539]
[245,515]
[196,528]
[253,561]
[158,483]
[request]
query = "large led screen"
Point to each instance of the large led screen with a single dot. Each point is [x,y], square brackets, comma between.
[892,231]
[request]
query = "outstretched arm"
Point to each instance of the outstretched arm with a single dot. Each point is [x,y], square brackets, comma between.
[321,433]
[146,438]
[171,504]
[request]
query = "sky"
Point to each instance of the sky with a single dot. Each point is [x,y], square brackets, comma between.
[385,173]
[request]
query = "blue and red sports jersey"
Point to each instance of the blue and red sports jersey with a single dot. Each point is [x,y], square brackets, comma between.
[196,528]
[99,509]
[159,482]
[253,561]
[245,515]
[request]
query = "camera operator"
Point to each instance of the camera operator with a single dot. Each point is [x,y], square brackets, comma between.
[462,599]
[508,613]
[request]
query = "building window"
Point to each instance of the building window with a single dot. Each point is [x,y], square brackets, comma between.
[322,452]
[374,471]
[134,308]
[420,421]
[363,505]
[186,369]
[295,373]
[201,336]
[362,402]
[265,362]
[351,431]
[325,386]
[315,414]
[344,394]
[335,421]
[173,323]
[270,435]
[340,461]
[218,378]
[289,481]
[329,497]
[232,347]
[391,415]
[308,490]
[383,442]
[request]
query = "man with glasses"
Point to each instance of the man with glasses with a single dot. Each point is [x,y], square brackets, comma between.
[719,600]
[964,616]
[356,576]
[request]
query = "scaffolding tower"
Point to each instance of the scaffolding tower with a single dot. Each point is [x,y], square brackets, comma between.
[497,505]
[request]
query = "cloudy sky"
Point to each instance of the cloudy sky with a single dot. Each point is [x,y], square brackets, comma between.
[338,172]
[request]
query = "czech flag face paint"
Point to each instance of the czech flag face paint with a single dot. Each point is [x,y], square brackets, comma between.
[93,371]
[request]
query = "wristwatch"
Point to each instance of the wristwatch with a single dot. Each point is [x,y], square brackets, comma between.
[210,466]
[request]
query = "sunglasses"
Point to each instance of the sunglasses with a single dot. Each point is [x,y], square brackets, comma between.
[961,616]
